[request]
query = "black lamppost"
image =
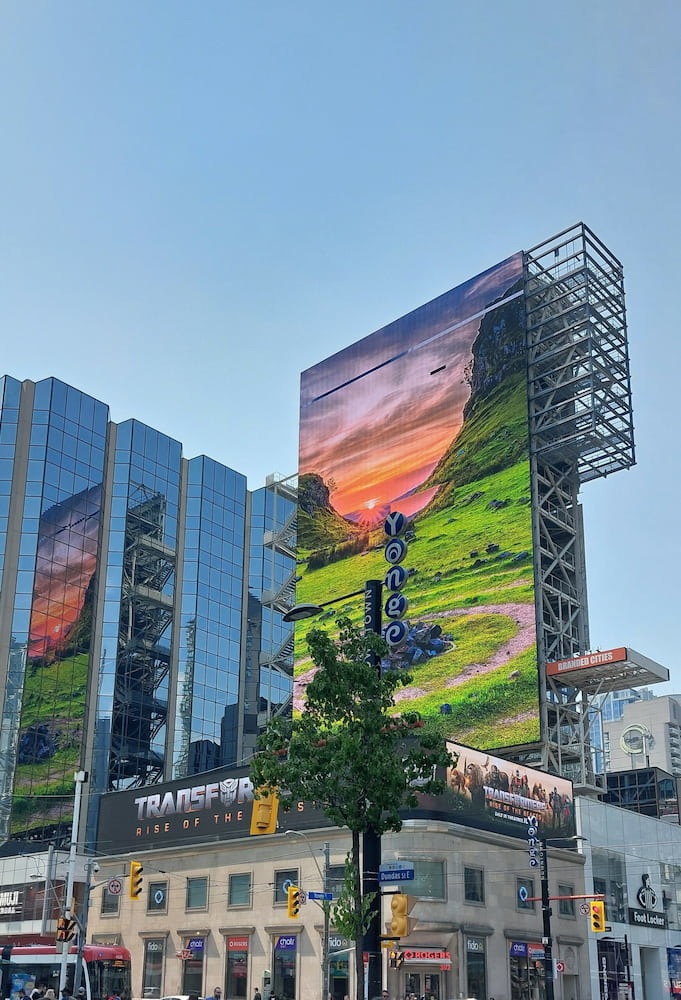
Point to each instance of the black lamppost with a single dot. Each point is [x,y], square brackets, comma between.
[371,845]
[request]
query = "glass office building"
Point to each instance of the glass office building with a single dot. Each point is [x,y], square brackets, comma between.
[141,604]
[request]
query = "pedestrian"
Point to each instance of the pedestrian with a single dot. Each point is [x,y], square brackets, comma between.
[257,995]
[50,995]
[217,994]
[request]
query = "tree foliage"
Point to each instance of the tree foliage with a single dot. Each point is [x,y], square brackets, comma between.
[350,755]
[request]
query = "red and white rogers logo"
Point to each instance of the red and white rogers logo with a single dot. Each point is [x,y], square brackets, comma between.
[426,954]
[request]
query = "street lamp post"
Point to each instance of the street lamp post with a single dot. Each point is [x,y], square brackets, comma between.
[371,841]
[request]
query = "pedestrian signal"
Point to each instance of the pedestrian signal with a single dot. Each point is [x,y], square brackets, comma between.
[597,914]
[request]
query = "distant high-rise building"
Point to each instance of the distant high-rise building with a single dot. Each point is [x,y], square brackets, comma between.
[609,708]
[646,735]
[141,602]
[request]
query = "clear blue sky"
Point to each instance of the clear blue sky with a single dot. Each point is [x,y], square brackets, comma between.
[200,200]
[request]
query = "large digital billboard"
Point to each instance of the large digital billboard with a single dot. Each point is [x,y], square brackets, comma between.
[428,416]
[57,668]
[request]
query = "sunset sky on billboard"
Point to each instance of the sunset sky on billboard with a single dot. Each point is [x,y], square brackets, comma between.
[383,385]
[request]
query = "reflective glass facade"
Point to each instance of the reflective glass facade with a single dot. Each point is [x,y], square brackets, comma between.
[58,483]
[126,573]
[271,591]
[207,714]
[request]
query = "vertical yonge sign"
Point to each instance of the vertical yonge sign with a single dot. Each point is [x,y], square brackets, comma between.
[425,421]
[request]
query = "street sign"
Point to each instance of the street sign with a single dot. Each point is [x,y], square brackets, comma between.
[320,895]
[584,909]
[560,966]
[114,886]
[396,866]
[403,875]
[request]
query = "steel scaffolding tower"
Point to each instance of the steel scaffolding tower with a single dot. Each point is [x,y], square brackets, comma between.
[581,428]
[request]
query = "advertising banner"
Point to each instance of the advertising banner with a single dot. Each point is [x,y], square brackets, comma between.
[482,791]
[493,794]
[428,417]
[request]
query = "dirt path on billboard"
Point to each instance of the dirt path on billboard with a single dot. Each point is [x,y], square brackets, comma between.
[523,616]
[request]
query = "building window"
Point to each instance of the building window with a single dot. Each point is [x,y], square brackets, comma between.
[110,903]
[197,893]
[524,893]
[239,891]
[566,907]
[473,885]
[476,979]
[152,971]
[157,900]
[282,880]
[429,880]
[335,875]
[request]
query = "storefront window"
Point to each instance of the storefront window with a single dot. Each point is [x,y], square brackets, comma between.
[192,966]
[152,972]
[476,978]
[284,985]
[237,968]
[527,971]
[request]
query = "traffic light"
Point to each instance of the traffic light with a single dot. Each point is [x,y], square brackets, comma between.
[66,928]
[597,914]
[401,906]
[293,897]
[265,808]
[393,959]
[136,880]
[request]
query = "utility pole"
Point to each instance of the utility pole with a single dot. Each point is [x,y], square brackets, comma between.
[82,927]
[80,777]
[49,889]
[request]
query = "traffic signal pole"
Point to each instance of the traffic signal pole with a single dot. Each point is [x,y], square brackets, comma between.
[547,940]
[80,777]
[371,847]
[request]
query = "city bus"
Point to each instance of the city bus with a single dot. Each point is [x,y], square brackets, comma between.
[105,973]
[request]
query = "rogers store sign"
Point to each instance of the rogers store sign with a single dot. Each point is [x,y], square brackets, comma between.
[237,944]
[427,956]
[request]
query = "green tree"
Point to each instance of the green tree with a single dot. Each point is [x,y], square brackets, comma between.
[350,756]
